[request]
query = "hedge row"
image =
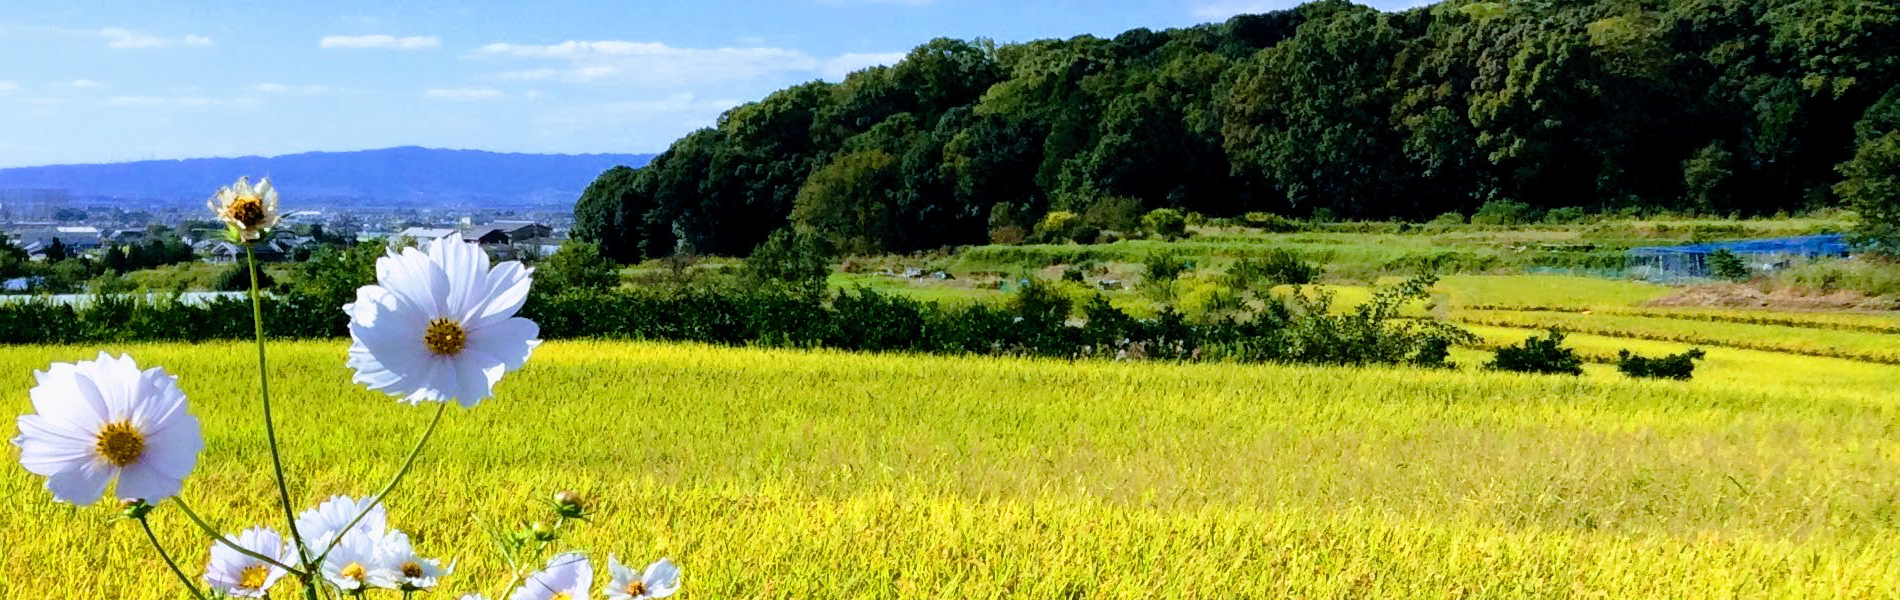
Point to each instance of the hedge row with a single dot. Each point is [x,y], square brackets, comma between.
[860,320]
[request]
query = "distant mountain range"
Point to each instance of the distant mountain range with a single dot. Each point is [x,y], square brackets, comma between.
[405,176]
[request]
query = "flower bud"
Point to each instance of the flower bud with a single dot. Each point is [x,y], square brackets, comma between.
[134,508]
[569,505]
[542,532]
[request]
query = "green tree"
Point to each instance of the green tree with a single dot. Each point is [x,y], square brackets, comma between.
[1724,264]
[851,202]
[1871,185]
[796,263]
[577,265]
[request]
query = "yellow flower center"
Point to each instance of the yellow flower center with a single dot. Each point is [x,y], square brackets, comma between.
[252,577]
[411,569]
[121,444]
[445,337]
[636,588]
[353,571]
[561,596]
[247,211]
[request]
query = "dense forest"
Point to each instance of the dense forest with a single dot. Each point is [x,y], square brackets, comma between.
[1329,110]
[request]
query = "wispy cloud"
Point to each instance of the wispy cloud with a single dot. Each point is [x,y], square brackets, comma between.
[83,84]
[657,64]
[175,101]
[8,86]
[120,37]
[417,42]
[671,111]
[291,90]
[464,94]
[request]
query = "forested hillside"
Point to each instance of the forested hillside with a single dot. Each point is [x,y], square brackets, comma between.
[1330,109]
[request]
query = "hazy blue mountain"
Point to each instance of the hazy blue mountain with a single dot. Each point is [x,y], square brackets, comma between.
[406,175]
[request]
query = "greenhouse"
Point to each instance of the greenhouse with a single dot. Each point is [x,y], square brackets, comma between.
[1770,254]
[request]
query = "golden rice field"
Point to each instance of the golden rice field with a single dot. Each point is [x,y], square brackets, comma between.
[814,474]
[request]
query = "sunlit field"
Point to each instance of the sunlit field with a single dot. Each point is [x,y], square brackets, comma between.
[813,474]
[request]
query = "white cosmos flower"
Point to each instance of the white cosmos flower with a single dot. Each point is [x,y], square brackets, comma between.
[251,211]
[440,324]
[473,597]
[567,577]
[398,567]
[328,519]
[348,565]
[104,418]
[660,580]
[238,575]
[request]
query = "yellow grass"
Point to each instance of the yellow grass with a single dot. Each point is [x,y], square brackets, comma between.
[794,474]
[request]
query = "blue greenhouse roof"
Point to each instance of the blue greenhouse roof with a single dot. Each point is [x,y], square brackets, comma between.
[1807,245]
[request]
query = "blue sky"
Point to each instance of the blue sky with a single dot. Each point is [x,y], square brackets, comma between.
[99,81]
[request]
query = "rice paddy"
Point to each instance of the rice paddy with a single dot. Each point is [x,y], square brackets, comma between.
[799,474]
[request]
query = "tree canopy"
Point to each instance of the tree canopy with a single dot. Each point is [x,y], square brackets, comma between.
[1711,106]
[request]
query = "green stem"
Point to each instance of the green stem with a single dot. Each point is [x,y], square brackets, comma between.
[270,429]
[535,558]
[391,486]
[182,578]
[219,538]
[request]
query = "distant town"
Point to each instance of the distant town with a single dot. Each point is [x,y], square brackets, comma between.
[44,227]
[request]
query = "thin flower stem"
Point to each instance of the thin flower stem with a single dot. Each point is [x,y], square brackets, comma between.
[219,538]
[270,426]
[535,558]
[443,409]
[182,578]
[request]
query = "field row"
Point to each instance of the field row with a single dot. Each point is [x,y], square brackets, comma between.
[1856,345]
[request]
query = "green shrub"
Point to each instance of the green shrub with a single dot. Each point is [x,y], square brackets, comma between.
[1503,212]
[1270,223]
[1565,215]
[1539,355]
[798,263]
[1165,223]
[1675,366]
[1277,267]
[237,278]
[1008,235]
[1726,265]
[1085,234]
[577,265]
[1448,219]
[1057,226]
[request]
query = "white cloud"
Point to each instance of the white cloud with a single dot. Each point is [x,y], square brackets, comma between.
[464,93]
[290,90]
[530,75]
[83,84]
[684,111]
[417,42]
[119,37]
[845,64]
[8,86]
[655,64]
[1222,9]
[175,101]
